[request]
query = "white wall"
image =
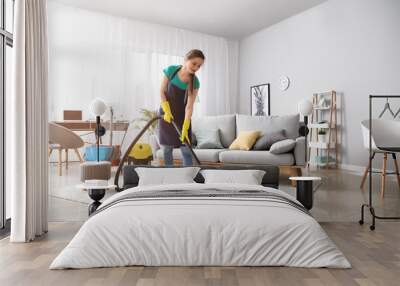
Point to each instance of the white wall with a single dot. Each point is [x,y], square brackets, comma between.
[120,60]
[351,46]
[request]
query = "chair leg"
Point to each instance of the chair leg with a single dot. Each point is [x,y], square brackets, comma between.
[383,177]
[66,159]
[366,172]
[364,177]
[60,162]
[79,155]
[396,166]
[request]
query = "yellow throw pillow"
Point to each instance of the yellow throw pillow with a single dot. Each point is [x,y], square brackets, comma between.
[245,140]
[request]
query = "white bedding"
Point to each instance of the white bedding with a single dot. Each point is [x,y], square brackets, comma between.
[200,231]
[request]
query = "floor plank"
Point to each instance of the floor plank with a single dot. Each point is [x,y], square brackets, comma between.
[375,257]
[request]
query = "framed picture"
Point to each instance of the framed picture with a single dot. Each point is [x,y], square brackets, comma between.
[259,100]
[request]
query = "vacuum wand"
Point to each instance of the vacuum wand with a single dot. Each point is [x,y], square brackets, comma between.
[186,143]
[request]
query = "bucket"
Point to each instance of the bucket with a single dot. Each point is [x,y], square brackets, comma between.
[105,153]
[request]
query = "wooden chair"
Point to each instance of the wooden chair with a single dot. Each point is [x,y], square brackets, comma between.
[61,138]
[386,133]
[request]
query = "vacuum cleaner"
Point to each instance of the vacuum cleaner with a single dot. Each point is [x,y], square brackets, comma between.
[141,133]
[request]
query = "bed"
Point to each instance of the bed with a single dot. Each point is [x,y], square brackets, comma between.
[201,224]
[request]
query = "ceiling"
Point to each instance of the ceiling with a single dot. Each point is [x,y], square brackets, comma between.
[233,19]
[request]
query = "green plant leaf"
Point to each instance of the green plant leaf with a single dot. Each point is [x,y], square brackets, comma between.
[145,116]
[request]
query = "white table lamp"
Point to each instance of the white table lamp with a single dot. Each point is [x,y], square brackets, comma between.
[305,107]
[97,107]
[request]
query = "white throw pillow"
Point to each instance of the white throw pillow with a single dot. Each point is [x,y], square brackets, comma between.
[283,146]
[208,139]
[249,177]
[166,176]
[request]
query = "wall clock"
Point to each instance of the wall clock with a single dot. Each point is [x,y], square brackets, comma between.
[284,83]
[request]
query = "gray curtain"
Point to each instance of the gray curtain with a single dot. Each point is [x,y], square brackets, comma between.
[29,179]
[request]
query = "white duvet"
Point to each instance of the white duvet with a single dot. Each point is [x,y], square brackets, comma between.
[200,231]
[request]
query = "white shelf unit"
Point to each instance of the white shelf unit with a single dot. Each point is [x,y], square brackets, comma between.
[318,125]
[322,107]
[321,145]
[324,116]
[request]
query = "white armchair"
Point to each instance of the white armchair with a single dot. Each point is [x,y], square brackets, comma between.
[385,135]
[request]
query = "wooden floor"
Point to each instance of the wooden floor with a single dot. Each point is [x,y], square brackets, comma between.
[375,257]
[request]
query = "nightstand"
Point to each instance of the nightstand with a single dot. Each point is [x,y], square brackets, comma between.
[96,191]
[304,190]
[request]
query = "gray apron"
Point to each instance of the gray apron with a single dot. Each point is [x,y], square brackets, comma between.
[177,99]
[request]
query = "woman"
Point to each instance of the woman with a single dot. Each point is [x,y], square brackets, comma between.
[179,89]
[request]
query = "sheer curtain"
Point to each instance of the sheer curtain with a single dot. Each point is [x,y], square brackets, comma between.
[29,139]
[121,60]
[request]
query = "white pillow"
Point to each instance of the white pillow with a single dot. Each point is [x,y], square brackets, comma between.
[166,176]
[249,177]
[283,146]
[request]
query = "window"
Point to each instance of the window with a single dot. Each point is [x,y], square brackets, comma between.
[9,19]
[6,43]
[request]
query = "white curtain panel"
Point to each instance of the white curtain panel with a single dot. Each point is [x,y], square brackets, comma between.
[29,179]
[120,60]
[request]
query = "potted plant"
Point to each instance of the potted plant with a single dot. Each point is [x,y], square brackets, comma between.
[145,116]
[322,135]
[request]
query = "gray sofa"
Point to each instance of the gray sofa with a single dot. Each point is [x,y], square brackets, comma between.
[230,126]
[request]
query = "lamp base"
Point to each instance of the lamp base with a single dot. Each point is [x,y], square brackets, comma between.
[303,130]
[96,195]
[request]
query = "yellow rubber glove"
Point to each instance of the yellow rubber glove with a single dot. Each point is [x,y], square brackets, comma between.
[185,131]
[167,111]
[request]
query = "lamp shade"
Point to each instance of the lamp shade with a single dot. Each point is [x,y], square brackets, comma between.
[97,107]
[305,107]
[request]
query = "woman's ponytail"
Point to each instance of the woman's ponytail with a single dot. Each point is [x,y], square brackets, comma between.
[191,55]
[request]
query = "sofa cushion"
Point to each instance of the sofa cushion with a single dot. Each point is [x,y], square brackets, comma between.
[283,146]
[269,138]
[255,157]
[290,123]
[225,123]
[245,140]
[206,155]
[208,139]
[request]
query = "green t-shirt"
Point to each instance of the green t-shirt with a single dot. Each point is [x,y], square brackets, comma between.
[168,71]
